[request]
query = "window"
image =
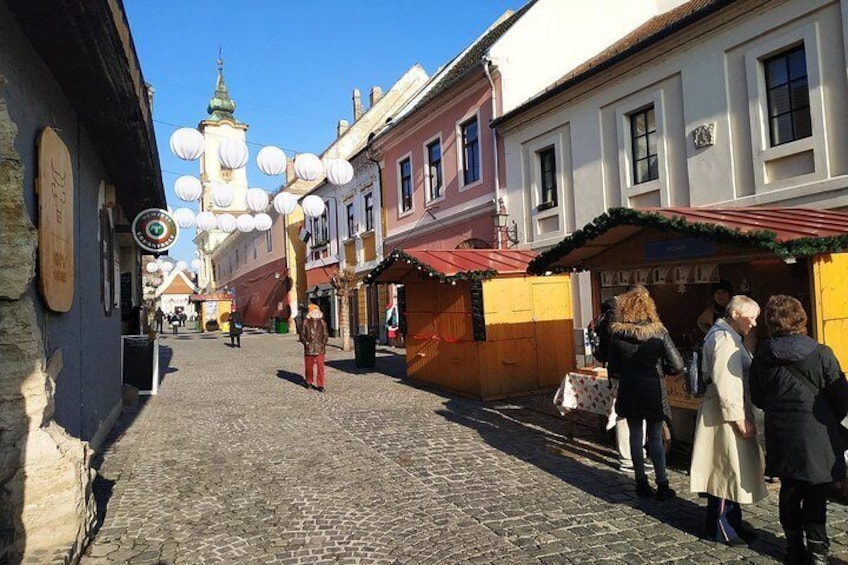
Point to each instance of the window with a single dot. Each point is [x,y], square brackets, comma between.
[643,138]
[269,241]
[237,258]
[255,250]
[788,96]
[405,185]
[470,152]
[321,230]
[369,211]
[547,178]
[351,220]
[325,226]
[434,169]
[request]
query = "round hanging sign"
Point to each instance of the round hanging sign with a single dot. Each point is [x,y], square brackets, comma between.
[155,230]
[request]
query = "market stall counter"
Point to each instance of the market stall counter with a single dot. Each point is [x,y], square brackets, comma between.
[681,254]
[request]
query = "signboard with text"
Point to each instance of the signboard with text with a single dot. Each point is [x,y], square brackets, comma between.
[155,230]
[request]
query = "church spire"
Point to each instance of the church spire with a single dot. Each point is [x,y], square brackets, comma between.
[221,106]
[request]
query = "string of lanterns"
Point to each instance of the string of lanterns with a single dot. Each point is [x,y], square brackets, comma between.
[167,266]
[188,145]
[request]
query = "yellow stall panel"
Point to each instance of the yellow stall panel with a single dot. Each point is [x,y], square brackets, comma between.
[830,284]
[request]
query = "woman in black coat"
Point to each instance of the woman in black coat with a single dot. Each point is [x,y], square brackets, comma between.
[236,328]
[799,385]
[641,354]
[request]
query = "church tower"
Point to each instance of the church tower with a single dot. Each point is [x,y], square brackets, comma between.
[220,125]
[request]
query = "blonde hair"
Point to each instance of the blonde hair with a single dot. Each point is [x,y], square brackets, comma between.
[636,306]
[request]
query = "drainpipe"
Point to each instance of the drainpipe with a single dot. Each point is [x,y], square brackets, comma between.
[487,61]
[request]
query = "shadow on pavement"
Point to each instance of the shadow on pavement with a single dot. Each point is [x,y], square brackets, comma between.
[539,439]
[165,355]
[293,378]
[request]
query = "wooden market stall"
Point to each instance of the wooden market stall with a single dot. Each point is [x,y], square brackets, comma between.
[477,324]
[678,253]
[214,311]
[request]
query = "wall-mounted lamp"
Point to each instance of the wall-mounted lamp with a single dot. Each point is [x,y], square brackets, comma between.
[502,227]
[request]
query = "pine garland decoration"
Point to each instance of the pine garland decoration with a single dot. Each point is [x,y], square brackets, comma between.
[425,271]
[614,217]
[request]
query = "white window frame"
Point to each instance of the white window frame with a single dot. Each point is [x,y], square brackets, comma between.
[761,148]
[350,231]
[401,212]
[623,114]
[460,152]
[426,160]
[534,179]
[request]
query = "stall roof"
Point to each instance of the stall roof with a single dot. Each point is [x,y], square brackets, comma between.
[213,296]
[450,265]
[786,232]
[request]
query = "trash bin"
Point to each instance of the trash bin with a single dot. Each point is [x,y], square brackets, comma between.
[281,326]
[364,348]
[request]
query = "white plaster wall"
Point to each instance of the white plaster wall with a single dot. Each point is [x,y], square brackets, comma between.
[698,77]
[555,36]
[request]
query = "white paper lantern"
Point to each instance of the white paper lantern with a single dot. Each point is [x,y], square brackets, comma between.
[227,223]
[188,188]
[233,154]
[222,194]
[308,166]
[313,206]
[182,265]
[206,221]
[152,267]
[285,203]
[196,264]
[167,267]
[262,222]
[256,200]
[271,160]
[339,171]
[187,144]
[245,223]
[184,217]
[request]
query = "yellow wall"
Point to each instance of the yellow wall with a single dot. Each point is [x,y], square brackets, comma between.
[295,261]
[830,286]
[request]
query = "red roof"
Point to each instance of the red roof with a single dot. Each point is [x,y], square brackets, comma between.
[783,231]
[451,264]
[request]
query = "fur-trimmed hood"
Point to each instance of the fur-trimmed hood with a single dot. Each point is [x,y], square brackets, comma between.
[642,331]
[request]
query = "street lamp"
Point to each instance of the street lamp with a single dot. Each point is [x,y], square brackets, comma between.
[502,229]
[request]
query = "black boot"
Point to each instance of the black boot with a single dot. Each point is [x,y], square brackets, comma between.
[664,492]
[643,488]
[818,552]
[796,552]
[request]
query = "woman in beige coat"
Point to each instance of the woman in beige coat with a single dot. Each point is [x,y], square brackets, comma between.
[727,463]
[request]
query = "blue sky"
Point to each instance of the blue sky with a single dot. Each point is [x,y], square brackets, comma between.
[290,66]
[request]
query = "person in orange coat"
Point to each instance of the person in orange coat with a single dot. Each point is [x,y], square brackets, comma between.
[314,337]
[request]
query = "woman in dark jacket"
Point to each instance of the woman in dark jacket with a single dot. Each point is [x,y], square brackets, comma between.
[641,354]
[236,328]
[314,337]
[800,387]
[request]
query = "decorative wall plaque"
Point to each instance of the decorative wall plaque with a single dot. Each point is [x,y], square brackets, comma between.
[155,230]
[55,188]
[704,136]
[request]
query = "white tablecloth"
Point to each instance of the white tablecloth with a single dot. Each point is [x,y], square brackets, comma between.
[587,392]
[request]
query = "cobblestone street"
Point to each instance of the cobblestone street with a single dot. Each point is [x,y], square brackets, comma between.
[235,462]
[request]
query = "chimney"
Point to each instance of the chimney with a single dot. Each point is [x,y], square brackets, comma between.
[376,95]
[357,105]
[342,128]
[290,170]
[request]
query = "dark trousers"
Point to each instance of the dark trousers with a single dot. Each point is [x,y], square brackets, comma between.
[655,445]
[724,519]
[235,339]
[803,508]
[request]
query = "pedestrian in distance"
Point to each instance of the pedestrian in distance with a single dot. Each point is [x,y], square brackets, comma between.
[314,337]
[159,318]
[236,328]
[727,463]
[174,321]
[183,318]
[801,388]
[641,354]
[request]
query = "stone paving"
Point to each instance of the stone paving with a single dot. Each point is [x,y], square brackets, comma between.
[235,462]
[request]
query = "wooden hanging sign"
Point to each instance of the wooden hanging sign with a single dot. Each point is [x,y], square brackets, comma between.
[55,189]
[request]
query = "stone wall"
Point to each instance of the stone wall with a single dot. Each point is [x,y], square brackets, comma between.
[45,474]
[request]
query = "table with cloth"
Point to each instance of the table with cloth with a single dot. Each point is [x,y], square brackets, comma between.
[592,392]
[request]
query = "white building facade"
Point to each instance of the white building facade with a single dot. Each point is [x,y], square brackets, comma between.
[715,103]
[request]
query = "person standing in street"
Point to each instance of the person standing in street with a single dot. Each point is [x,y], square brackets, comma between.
[641,354]
[801,388]
[314,337]
[236,328]
[727,463]
[174,321]
[159,318]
